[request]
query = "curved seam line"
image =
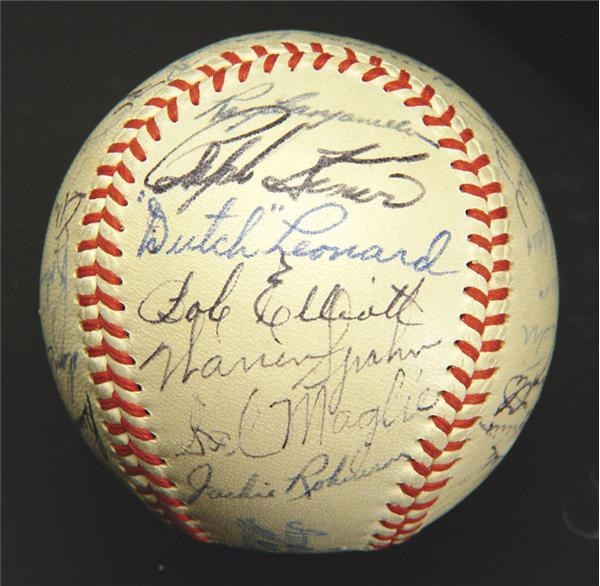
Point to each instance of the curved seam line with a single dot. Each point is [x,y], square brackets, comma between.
[94,270]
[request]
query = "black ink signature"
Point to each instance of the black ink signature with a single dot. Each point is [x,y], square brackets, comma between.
[209,170]
[214,166]
[301,105]
[205,440]
[87,422]
[129,100]
[168,304]
[302,417]
[289,419]
[517,391]
[494,429]
[320,473]
[524,195]
[311,180]
[200,480]
[336,305]
[177,310]
[173,293]
[64,362]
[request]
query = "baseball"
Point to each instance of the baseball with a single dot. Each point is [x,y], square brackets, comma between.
[299,292]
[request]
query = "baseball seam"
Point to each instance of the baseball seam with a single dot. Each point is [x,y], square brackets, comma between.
[119,397]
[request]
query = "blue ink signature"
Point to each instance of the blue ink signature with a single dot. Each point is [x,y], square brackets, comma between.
[295,538]
[56,269]
[293,240]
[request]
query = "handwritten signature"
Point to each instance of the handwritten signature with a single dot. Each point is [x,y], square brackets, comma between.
[200,479]
[516,392]
[335,304]
[296,537]
[252,135]
[171,302]
[56,270]
[320,472]
[294,238]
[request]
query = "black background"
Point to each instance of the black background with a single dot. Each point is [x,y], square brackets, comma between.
[533,67]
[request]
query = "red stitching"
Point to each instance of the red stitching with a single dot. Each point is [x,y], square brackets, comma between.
[461,376]
[402,83]
[480,270]
[101,297]
[465,423]
[491,345]
[259,50]
[452,400]
[155,479]
[412,514]
[467,349]
[296,55]
[475,398]
[170,105]
[131,449]
[477,294]
[232,57]
[125,383]
[469,399]
[193,90]
[163,498]
[481,190]
[390,525]
[484,373]
[444,120]
[374,73]
[95,217]
[400,529]
[350,60]
[97,269]
[150,125]
[125,427]
[424,100]
[106,349]
[322,56]
[498,294]
[102,243]
[480,241]
[500,239]
[99,323]
[111,192]
[134,146]
[115,400]
[441,423]
[270,62]
[472,166]
[487,218]
[495,320]
[472,322]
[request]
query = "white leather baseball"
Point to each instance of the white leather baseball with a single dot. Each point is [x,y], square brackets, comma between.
[300,293]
